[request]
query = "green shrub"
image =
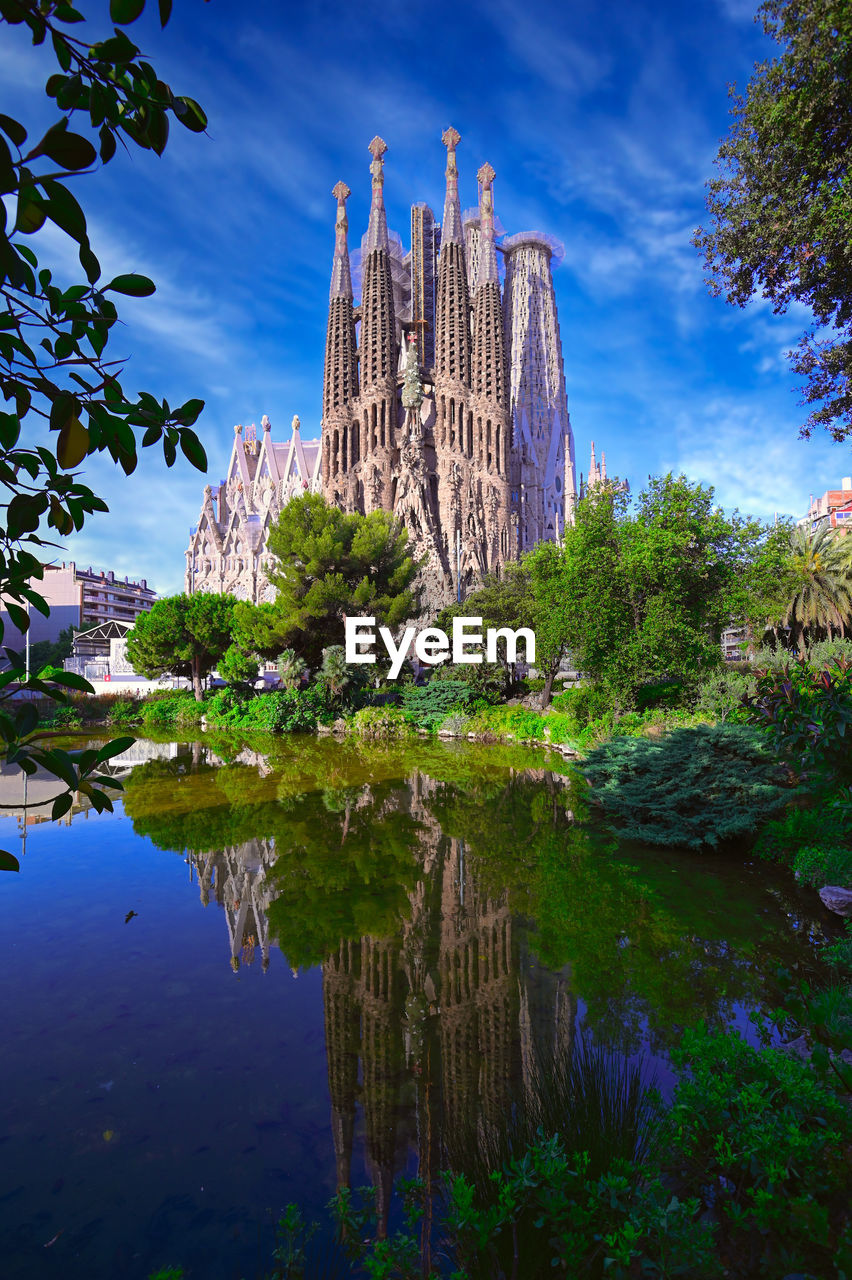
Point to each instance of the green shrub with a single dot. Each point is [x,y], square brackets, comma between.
[816,842]
[281,711]
[818,866]
[169,709]
[823,653]
[764,1143]
[287,711]
[502,722]
[721,696]
[659,693]
[488,680]
[546,1215]
[584,703]
[839,953]
[456,722]
[124,711]
[66,717]
[427,706]
[694,787]
[379,722]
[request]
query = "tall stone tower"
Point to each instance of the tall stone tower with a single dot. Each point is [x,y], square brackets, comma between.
[545,465]
[419,420]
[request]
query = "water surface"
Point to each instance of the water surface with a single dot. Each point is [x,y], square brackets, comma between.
[337,956]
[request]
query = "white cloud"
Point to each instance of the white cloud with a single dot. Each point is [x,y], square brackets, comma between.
[753,460]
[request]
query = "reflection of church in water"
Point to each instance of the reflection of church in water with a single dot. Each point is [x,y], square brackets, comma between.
[432,1032]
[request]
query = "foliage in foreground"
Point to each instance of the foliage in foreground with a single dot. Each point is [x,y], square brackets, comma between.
[55,373]
[695,788]
[789,148]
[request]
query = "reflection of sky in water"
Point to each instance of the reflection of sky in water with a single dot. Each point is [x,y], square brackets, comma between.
[162,1108]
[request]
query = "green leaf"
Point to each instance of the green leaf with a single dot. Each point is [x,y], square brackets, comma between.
[31,212]
[13,130]
[63,209]
[193,450]
[71,150]
[61,805]
[135,286]
[62,50]
[10,429]
[69,680]
[189,413]
[157,131]
[125,11]
[20,617]
[8,861]
[165,11]
[190,114]
[114,748]
[107,143]
[90,265]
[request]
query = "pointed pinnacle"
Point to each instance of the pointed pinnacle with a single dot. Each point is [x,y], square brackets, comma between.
[377,147]
[341,192]
[451,138]
[486,175]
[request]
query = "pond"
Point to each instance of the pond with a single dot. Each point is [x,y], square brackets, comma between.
[275,971]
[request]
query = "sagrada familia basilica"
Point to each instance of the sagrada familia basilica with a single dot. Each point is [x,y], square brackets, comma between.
[443,402]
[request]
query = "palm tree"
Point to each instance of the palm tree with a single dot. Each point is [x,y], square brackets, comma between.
[291,669]
[335,669]
[817,594]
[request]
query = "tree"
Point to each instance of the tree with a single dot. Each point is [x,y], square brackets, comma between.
[54,367]
[644,597]
[329,564]
[504,601]
[238,667]
[781,207]
[548,618]
[291,669]
[183,635]
[814,597]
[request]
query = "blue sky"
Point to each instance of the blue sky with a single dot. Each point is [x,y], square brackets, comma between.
[601,120]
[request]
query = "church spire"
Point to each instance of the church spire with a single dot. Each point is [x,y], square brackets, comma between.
[377,230]
[378,326]
[452,304]
[487,248]
[340,382]
[341,277]
[489,359]
[451,228]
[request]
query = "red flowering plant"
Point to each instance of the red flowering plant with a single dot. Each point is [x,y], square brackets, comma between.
[808,714]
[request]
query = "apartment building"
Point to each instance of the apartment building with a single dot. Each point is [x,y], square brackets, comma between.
[81,598]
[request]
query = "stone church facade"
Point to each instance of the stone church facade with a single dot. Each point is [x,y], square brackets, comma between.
[445,404]
[227,548]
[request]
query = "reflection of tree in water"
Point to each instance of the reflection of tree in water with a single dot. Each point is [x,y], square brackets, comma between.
[458,911]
